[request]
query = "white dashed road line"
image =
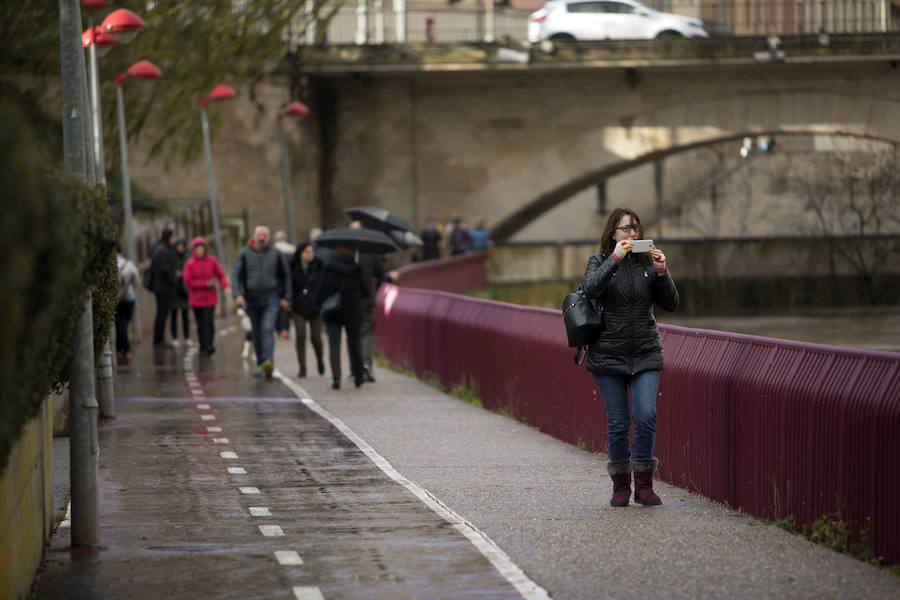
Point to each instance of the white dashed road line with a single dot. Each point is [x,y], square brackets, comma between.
[271,530]
[237,470]
[308,593]
[228,454]
[208,417]
[501,561]
[260,511]
[214,429]
[288,557]
[249,490]
[220,440]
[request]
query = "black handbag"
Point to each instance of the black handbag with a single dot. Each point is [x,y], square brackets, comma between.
[583,323]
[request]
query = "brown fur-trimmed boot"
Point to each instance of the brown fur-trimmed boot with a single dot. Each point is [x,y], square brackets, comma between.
[643,469]
[620,471]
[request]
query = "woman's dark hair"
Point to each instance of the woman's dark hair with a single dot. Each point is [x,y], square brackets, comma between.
[607,239]
[296,260]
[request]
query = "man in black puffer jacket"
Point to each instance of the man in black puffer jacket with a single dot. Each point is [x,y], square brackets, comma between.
[164,284]
[628,354]
[261,284]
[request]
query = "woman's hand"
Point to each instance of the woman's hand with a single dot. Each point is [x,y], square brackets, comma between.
[659,260]
[622,249]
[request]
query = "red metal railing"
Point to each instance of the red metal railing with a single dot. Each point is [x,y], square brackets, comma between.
[774,427]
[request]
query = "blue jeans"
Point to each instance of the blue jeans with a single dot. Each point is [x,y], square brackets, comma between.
[263,315]
[614,389]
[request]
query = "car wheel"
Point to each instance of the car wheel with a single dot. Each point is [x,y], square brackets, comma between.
[562,38]
[669,35]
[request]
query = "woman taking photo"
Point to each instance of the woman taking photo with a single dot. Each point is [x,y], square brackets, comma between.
[306,277]
[628,354]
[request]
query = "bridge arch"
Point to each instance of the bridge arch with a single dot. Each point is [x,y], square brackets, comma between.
[627,142]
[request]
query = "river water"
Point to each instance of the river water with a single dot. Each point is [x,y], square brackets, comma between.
[871,328]
[866,327]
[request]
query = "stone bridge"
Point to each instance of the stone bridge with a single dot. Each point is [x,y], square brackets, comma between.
[508,133]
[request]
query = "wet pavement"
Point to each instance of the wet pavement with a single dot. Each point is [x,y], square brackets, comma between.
[210,479]
[393,490]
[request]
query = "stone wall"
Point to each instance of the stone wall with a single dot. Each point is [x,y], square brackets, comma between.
[26,505]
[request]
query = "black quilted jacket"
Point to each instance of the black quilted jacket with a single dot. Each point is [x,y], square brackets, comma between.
[627,291]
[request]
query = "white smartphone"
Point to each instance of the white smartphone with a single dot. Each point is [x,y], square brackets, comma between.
[642,246]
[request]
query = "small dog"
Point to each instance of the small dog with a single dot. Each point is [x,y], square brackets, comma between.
[247,326]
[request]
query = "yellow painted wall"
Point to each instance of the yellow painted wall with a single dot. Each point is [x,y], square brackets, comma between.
[26,505]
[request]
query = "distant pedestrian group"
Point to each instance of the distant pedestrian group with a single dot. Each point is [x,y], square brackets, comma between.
[453,239]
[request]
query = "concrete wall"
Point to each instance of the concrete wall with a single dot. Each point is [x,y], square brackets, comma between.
[26,505]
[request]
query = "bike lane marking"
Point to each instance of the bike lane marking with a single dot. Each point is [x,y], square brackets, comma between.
[527,588]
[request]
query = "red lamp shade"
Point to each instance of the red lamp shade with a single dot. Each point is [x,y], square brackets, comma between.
[123,25]
[140,70]
[295,109]
[220,92]
[96,36]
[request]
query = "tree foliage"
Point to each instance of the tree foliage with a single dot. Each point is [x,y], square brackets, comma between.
[60,245]
[196,43]
[857,196]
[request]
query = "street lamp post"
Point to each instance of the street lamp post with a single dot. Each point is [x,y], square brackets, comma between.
[220,92]
[120,26]
[294,109]
[92,38]
[139,70]
[83,445]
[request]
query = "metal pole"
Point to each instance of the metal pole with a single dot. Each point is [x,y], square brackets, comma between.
[490,27]
[311,23]
[400,20]
[362,23]
[378,9]
[126,178]
[213,202]
[96,122]
[83,445]
[286,184]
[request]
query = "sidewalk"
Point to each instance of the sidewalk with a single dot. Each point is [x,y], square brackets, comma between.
[546,504]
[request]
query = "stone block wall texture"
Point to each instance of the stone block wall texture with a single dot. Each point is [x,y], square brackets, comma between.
[26,505]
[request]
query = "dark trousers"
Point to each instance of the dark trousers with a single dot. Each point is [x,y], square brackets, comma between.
[205,326]
[163,304]
[284,321]
[367,335]
[124,310]
[315,336]
[334,348]
[184,322]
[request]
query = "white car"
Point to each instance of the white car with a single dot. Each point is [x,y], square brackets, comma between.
[571,20]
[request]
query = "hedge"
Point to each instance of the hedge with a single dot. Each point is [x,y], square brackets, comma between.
[57,243]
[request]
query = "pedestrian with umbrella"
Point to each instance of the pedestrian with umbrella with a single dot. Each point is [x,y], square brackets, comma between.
[374,272]
[342,292]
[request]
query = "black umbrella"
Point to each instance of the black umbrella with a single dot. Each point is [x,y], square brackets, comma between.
[365,240]
[406,239]
[381,219]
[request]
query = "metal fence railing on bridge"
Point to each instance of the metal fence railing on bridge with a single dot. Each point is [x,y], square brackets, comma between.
[722,17]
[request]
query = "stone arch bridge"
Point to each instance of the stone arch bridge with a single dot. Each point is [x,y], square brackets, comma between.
[508,135]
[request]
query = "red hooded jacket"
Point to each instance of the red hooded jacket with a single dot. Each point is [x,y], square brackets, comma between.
[198,272]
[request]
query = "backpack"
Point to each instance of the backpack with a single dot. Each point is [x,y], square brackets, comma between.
[148,278]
